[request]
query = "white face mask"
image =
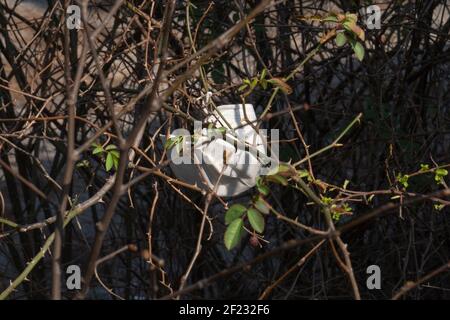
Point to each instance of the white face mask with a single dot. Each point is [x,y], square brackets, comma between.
[217,159]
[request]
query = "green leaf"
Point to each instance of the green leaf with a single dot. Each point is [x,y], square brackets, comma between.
[278,179]
[234,212]
[424,167]
[111,147]
[261,206]
[331,18]
[359,51]
[441,172]
[98,149]
[233,234]
[254,83]
[336,216]
[256,220]
[243,87]
[115,154]
[403,180]
[263,74]
[262,188]
[347,208]
[303,173]
[351,17]
[263,83]
[283,168]
[172,141]
[281,84]
[109,161]
[341,39]
[327,200]
[356,30]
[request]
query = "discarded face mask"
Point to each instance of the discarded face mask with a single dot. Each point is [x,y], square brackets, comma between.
[230,162]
